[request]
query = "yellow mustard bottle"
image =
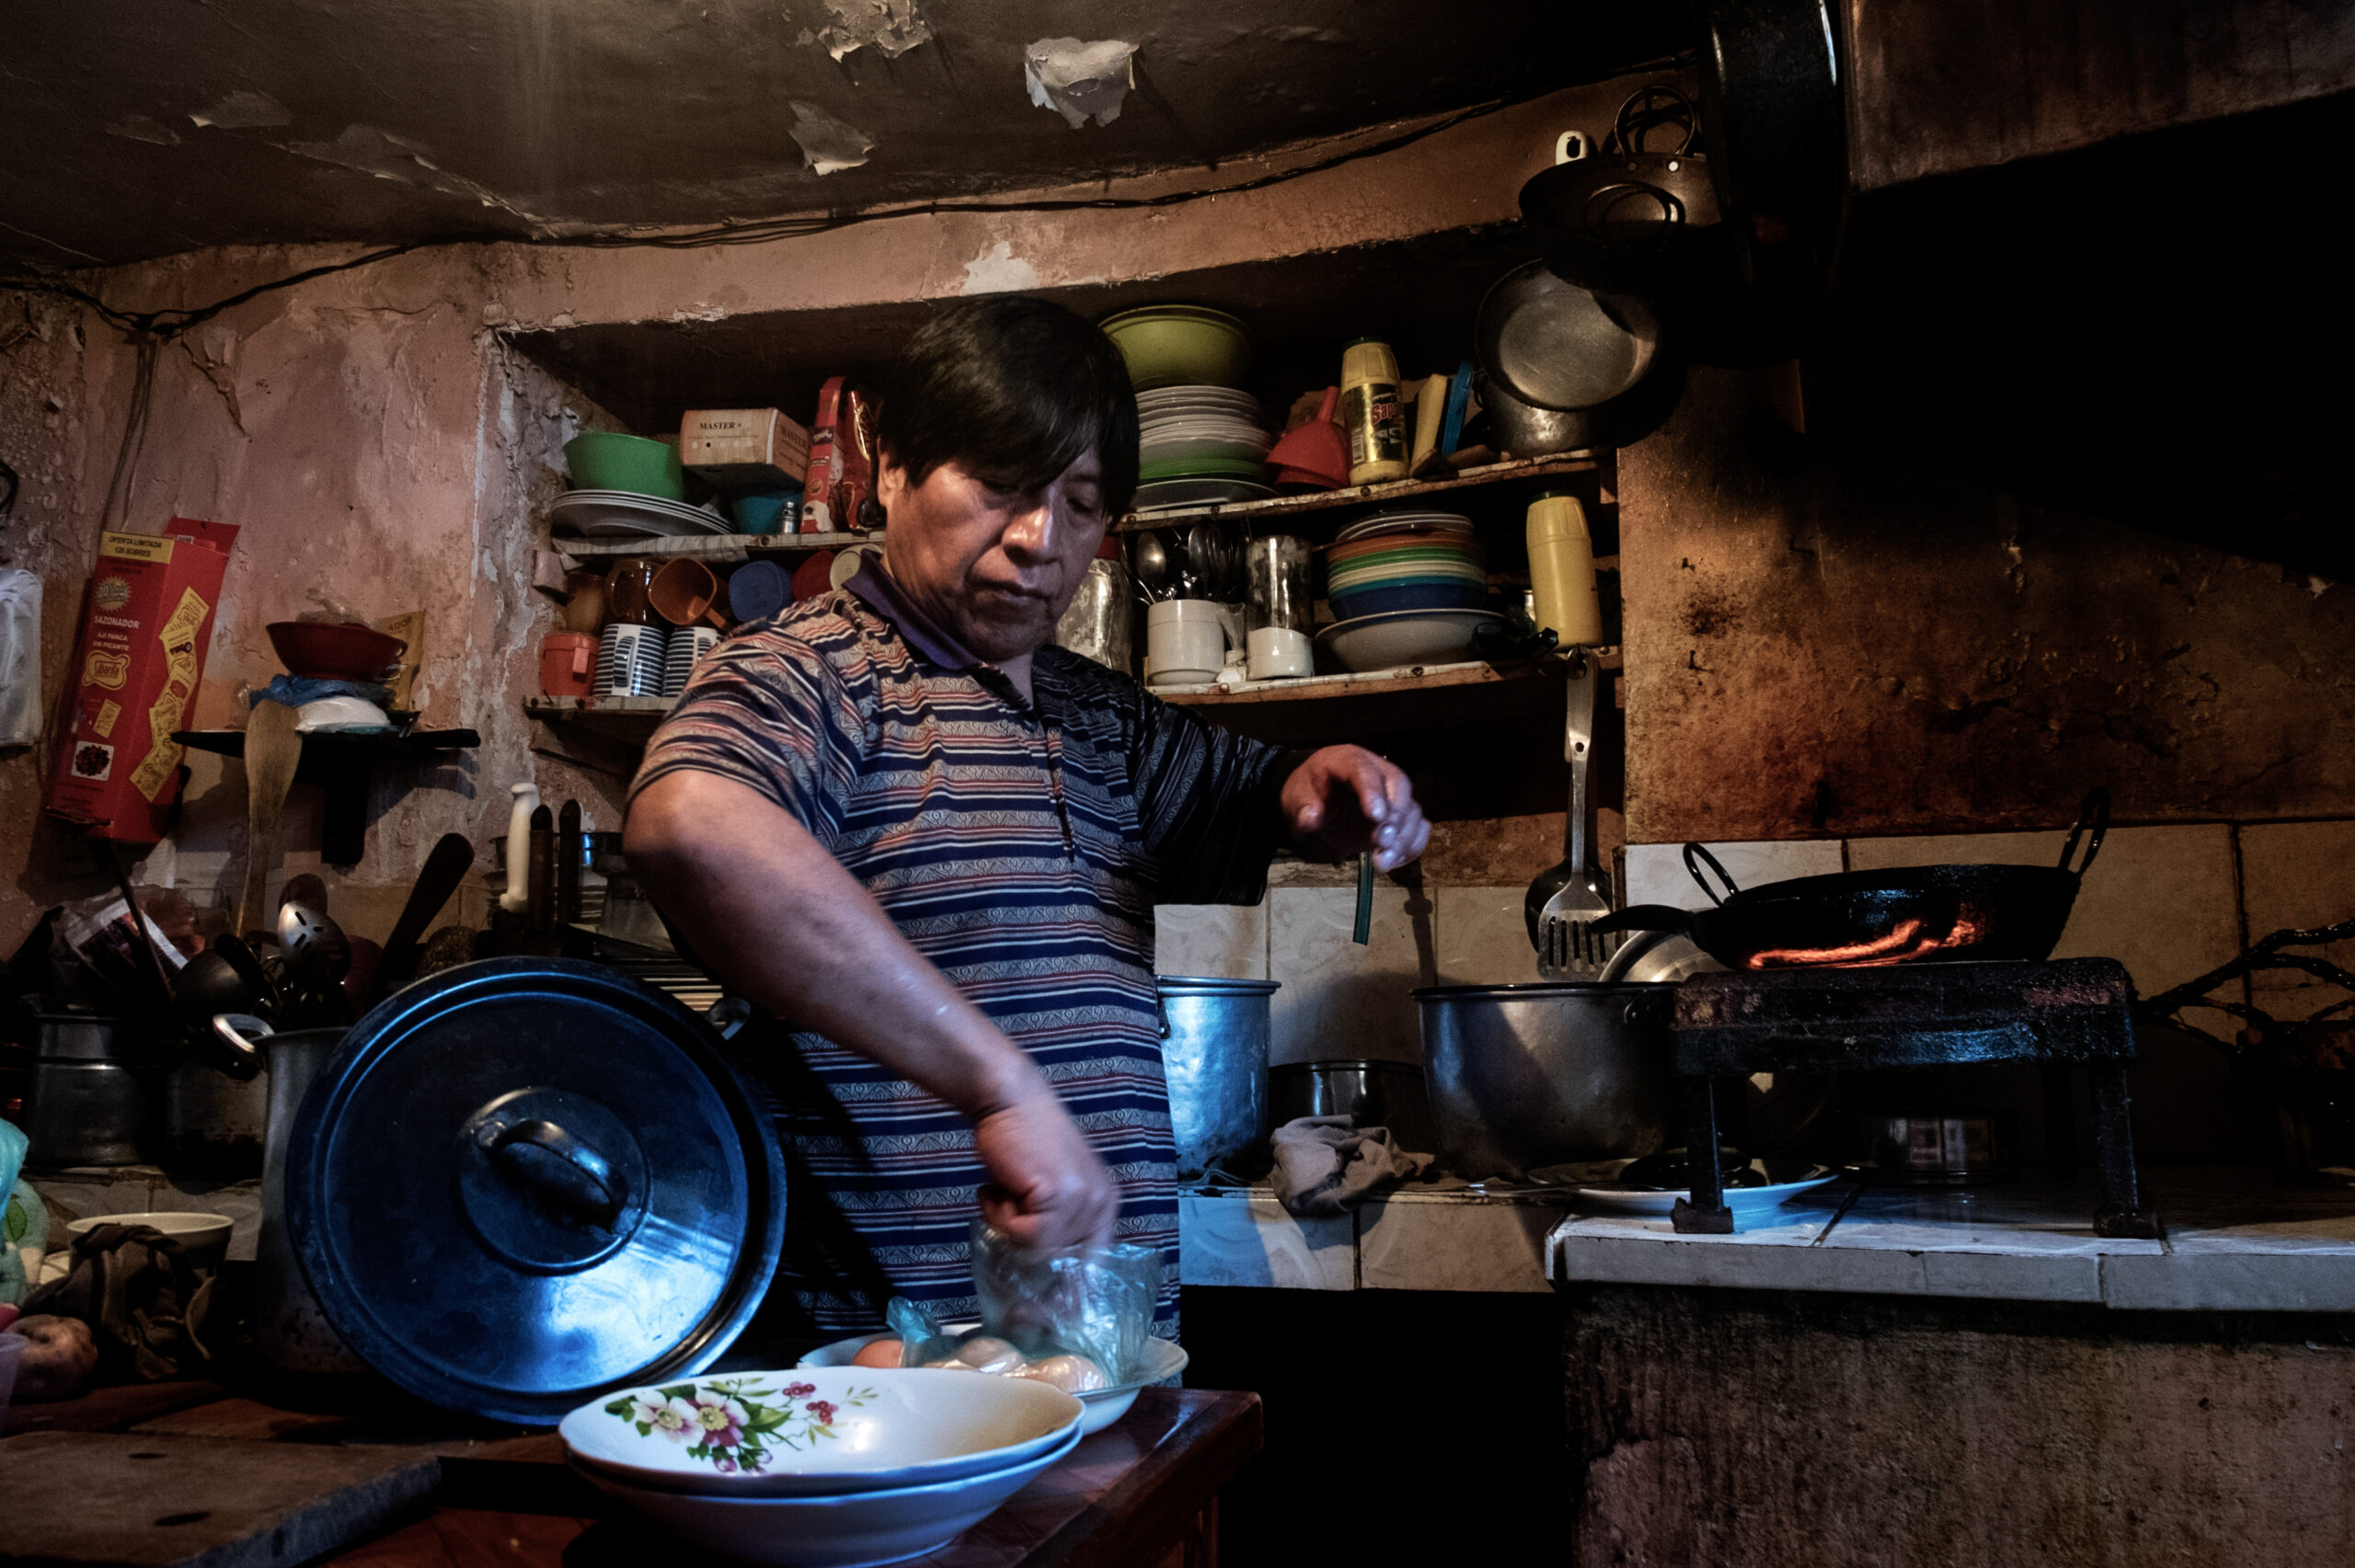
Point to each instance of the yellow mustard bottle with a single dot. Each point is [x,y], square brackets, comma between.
[1562,570]
[1371,415]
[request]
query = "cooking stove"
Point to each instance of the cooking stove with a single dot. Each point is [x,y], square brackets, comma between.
[2069,1012]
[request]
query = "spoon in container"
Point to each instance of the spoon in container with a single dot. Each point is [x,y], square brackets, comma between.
[1151,563]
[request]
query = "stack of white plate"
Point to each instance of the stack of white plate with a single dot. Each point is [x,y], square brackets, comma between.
[620,514]
[1197,445]
[821,1467]
[1403,521]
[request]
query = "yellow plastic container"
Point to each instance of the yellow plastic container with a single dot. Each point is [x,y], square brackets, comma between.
[1371,417]
[1562,570]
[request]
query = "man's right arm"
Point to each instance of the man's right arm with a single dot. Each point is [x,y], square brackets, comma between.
[767,906]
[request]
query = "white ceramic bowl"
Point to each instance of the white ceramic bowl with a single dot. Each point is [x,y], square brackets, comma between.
[1404,637]
[847,1530]
[817,1431]
[194,1232]
[1164,1358]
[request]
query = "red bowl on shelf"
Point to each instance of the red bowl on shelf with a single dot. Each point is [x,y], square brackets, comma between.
[323,650]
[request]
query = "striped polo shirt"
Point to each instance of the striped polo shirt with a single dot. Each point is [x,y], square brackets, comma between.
[1020,846]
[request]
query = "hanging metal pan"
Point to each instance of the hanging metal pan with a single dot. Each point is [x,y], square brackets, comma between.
[1555,344]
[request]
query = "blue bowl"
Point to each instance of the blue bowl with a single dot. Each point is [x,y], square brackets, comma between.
[775,511]
[1427,595]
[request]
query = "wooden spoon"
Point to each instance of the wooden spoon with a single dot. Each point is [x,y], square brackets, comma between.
[273,749]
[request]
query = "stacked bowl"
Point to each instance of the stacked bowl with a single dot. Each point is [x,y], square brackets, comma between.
[628,487]
[1406,587]
[821,1467]
[1197,446]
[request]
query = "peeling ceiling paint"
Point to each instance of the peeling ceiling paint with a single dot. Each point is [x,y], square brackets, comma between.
[141,128]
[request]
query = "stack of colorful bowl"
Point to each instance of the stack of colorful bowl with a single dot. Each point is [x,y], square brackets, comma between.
[1197,445]
[1406,587]
[822,1465]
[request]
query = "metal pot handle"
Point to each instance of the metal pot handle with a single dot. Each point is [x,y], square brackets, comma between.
[240,1035]
[2092,818]
[1650,1011]
[499,1139]
[1647,95]
[1700,853]
[729,1014]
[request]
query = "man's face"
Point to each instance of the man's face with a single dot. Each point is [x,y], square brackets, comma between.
[996,566]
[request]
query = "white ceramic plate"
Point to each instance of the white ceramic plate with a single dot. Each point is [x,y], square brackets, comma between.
[1189,448]
[1403,522]
[188,1228]
[1166,494]
[1163,1360]
[847,1530]
[815,1430]
[1163,397]
[1404,637]
[620,516]
[1604,1198]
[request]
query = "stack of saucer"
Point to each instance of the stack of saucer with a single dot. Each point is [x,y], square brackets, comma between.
[1198,445]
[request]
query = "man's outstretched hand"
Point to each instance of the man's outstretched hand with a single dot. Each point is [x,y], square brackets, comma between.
[1345,800]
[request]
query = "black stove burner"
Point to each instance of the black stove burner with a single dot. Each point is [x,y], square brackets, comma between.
[2070,1013]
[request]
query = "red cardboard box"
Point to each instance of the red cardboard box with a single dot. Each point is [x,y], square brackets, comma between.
[145,622]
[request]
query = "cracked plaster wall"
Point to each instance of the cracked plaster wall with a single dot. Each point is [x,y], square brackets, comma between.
[382,452]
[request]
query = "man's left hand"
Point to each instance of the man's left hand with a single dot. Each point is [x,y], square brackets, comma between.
[1345,800]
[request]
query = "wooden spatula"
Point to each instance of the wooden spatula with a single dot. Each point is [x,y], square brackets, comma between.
[273,749]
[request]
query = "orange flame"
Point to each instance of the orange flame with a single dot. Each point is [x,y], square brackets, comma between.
[1903,944]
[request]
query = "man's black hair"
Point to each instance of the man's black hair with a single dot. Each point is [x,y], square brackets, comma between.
[1013,391]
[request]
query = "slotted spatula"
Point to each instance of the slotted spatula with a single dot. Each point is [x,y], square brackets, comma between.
[1568,948]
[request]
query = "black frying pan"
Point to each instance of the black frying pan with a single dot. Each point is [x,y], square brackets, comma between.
[1925,914]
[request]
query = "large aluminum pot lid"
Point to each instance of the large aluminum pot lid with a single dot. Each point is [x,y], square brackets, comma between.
[523,1183]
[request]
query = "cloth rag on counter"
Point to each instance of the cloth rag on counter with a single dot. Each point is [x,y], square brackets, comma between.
[1324,1165]
[144,1300]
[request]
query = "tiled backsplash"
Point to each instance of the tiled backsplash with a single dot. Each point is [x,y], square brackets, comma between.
[2171,902]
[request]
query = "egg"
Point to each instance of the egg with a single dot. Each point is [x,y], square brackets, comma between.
[884,1352]
[987,1353]
[950,1364]
[1072,1374]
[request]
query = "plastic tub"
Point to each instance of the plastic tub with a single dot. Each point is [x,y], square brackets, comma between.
[602,459]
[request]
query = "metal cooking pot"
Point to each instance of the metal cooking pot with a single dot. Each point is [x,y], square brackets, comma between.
[1556,345]
[89,1100]
[1526,1076]
[1628,217]
[1215,1059]
[1523,429]
[1371,1094]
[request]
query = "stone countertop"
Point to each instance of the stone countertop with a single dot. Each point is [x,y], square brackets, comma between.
[2238,1238]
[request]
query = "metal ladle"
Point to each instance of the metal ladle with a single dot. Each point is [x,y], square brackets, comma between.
[1151,564]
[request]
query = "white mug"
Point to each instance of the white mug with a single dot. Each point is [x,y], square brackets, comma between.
[1186,642]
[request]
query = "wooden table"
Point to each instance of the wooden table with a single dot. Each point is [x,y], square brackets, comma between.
[1141,1492]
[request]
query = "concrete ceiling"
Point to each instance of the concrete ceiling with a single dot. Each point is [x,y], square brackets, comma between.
[140,127]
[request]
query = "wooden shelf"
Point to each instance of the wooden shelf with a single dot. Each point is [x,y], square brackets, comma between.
[711,546]
[1527,469]
[744,546]
[344,767]
[1314,709]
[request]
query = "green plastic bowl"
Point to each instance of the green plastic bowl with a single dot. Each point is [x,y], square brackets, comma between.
[1180,346]
[601,459]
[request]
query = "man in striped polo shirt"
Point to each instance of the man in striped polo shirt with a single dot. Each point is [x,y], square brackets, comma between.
[929,841]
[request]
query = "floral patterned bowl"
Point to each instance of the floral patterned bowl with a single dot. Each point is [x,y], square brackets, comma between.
[851,1530]
[817,1431]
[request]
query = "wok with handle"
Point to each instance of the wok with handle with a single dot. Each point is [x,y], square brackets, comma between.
[1904,915]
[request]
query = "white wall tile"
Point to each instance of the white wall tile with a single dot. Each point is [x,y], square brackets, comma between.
[1655,873]
[2302,875]
[1484,937]
[1227,941]
[1340,1001]
[2158,900]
